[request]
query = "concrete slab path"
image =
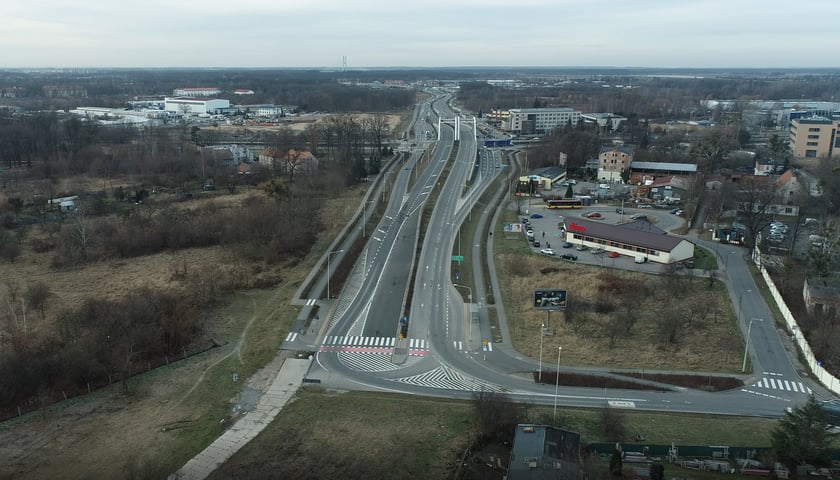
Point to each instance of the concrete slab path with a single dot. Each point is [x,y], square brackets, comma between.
[247,427]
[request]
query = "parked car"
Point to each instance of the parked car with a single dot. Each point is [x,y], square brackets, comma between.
[581,248]
[619,211]
[613,255]
[679,213]
[640,259]
[638,216]
[689,263]
[597,251]
[547,251]
[536,244]
[593,215]
[645,205]
[536,215]
[566,245]
[568,256]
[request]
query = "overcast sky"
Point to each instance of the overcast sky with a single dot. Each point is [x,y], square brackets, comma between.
[384,33]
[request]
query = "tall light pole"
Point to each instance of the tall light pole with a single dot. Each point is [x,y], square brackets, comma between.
[557,383]
[328,270]
[539,375]
[740,302]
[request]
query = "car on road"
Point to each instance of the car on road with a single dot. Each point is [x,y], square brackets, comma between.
[581,248]
[566,245]
[547,251]
[619,211]
[638,216]
[536,244]
[597,251]
[678,212]
[645,205]
[613,255]
[593,215]
[536,215]
[568,256]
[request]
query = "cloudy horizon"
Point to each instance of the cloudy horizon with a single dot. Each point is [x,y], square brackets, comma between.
[381,34]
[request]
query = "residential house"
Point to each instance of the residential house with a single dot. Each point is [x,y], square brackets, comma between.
[541,451]
[768,166]
[288,162]
[545,177]
[822,296]
[670,189]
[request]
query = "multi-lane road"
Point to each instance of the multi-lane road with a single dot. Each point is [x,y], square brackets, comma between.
[447,352]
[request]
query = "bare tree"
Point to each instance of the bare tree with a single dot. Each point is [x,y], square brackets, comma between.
[37,295]
[757,198]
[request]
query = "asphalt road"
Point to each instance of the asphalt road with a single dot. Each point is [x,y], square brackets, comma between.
[444,353]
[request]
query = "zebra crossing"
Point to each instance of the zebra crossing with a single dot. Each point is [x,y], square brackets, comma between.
[291,337]
[417,347]
[783,385]
[311,301]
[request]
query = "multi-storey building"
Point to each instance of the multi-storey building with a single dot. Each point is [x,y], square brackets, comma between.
[613,162]
[539,120]
[815,137]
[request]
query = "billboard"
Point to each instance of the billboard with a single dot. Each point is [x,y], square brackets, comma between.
[513,227]
[550,299]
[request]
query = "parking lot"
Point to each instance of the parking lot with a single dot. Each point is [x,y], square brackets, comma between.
[544,224]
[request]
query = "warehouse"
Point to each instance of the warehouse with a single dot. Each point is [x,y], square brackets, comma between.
[195,105]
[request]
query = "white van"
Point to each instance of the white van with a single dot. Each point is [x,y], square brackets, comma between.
[641,259]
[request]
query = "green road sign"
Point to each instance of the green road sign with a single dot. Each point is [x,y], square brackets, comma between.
[457,258]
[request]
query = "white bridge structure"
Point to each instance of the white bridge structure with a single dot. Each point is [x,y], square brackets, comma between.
[456,122]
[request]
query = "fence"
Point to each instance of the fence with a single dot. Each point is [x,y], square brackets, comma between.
[828,380]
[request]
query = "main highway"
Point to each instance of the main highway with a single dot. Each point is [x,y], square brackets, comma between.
[447,350]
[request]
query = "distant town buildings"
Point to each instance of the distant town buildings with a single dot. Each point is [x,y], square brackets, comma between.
[196,92]
[64,91]
[604,120]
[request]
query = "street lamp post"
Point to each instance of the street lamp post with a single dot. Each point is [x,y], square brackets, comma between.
[557,383]
[746,348]
[539,375]
[328,270]
[740,302]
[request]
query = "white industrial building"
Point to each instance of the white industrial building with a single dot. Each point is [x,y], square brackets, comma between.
[196,92]
[195,105]
[539,120]
[263,110]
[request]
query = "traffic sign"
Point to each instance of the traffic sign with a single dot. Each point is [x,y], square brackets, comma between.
[457,258]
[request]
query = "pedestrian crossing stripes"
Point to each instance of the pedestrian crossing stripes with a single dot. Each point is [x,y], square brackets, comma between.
[383,345]
[784,385]
[291,337]
[459,345]
[311,301]
[368,362]
[386,342]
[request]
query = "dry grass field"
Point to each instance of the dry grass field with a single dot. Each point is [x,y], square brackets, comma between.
[169,413]
[601,300]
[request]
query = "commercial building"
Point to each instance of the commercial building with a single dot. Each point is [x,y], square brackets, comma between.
[815,137]
[194,106]
[610,121]
[638,238]
[539,120]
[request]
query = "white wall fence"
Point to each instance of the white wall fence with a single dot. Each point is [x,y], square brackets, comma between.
[828,380]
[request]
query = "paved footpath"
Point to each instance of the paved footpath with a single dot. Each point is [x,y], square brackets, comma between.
[282,389]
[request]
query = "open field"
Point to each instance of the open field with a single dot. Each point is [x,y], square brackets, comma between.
[170,413]
[598,335]
[325,434]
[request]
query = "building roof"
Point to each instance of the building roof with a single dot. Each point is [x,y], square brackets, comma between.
[815,120]
[541,110]
[633,233]
[664,166]
[823,290]
[670,181]
[621,148]
[548,172]
[538,449]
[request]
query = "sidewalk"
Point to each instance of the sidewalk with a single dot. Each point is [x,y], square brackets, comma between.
[282,389]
